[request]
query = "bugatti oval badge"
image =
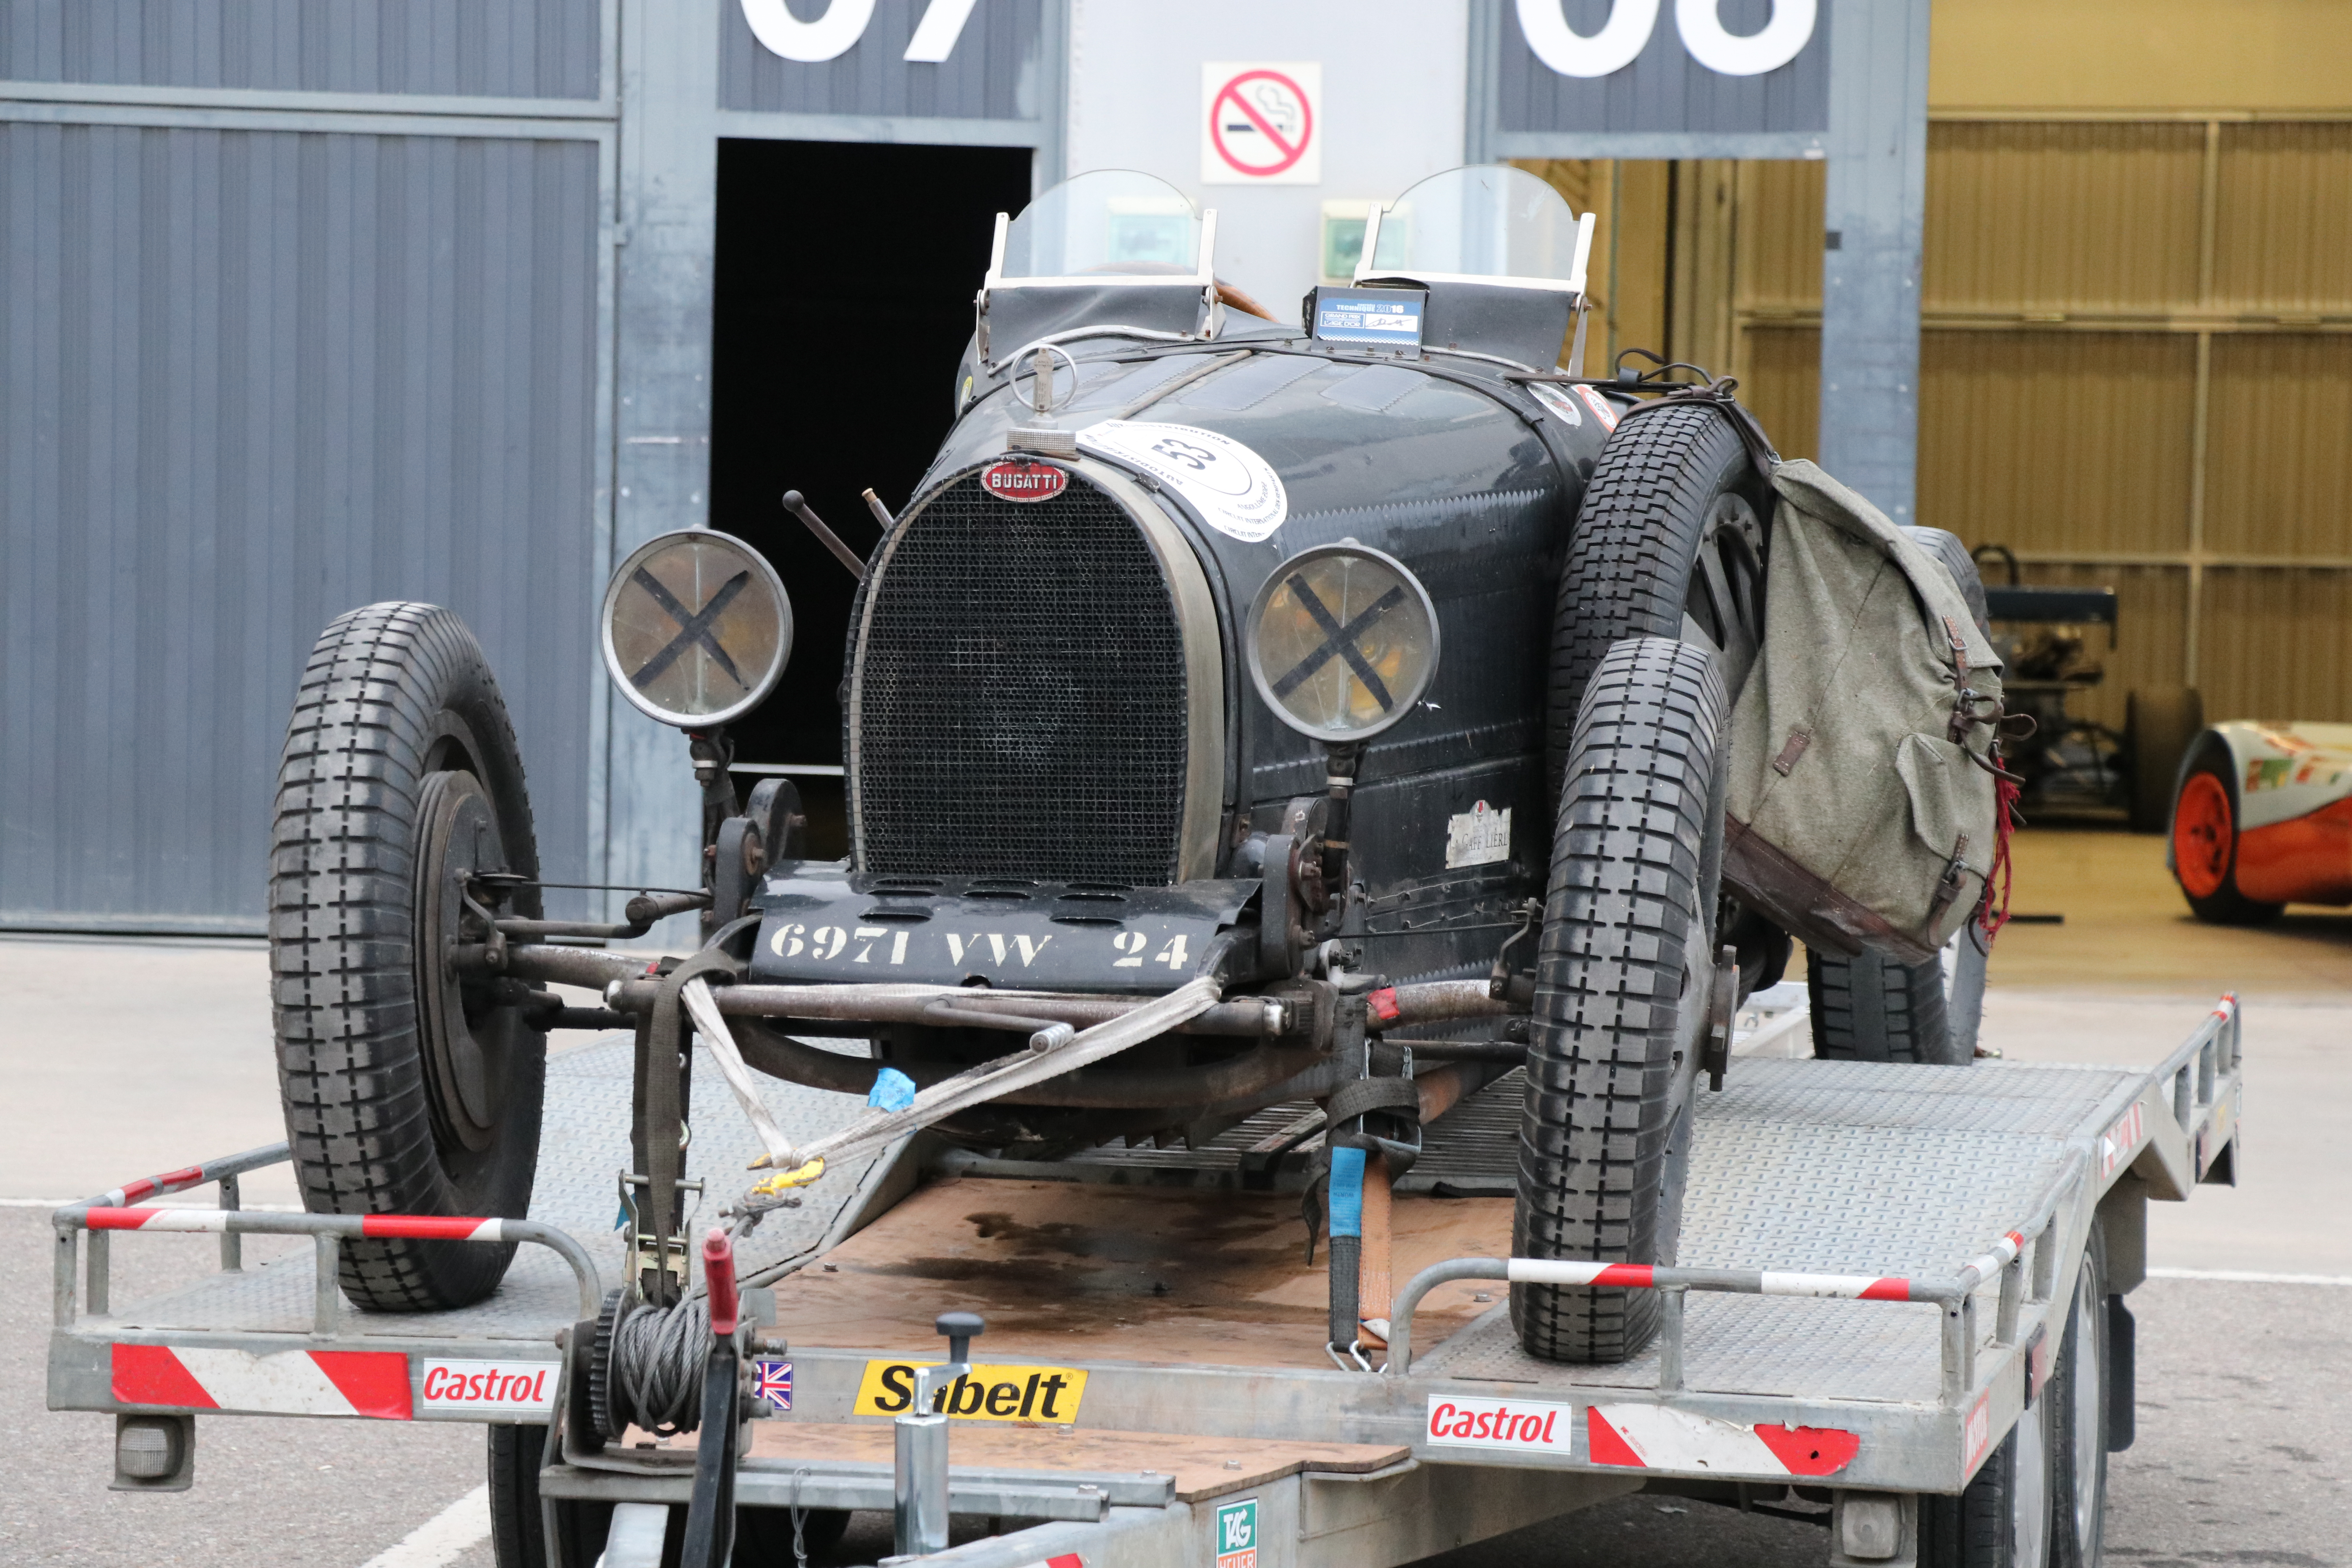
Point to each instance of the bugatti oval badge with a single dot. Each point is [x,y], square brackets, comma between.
[1023,482]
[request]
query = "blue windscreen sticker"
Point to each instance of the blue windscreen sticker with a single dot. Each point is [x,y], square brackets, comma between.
[1377,316]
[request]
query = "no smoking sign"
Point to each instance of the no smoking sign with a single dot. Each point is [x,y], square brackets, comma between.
[1261,124]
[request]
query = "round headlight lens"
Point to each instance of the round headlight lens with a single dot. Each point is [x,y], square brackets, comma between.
[697,629]
[1342,642]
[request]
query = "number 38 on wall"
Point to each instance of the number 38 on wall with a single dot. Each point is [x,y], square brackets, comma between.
[1630,22]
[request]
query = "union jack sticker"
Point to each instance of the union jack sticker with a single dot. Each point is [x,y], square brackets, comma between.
[772,1380]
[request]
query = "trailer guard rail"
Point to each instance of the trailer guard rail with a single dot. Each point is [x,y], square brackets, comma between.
[111,1211]
[2197,1069]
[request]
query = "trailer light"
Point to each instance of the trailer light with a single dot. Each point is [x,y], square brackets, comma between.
[1342,642]
[696,629]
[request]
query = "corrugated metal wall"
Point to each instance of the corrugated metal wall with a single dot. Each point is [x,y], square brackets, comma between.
[497,49]
[997,71]
[2135,372]
[247,380]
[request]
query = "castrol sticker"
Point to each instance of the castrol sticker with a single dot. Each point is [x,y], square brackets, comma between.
[1515,1423]
[1023,482]
[470,1390]
[1236,492]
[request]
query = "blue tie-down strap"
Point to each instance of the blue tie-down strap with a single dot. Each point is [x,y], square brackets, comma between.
[1347,1193]
[893,1090]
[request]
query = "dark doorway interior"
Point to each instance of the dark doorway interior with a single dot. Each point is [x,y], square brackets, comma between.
[844,281]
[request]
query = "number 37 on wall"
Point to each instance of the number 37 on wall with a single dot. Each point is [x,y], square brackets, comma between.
[1628,29]
[836,32]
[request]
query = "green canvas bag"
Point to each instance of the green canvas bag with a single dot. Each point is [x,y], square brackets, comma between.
[1861,802]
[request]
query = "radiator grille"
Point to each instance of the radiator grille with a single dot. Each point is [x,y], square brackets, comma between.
[1021,696]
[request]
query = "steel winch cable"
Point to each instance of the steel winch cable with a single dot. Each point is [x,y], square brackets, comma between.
[656,1357]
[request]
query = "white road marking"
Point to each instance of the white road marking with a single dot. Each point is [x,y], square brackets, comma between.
[2249,1276]
[441,1539]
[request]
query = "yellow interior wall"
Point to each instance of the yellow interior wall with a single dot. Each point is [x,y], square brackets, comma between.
[2156,56]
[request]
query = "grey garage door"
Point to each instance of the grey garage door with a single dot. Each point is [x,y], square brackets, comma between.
[249,378]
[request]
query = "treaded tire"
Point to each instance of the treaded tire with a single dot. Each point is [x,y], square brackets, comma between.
[517,1527]
[1623,977]
[2212,774]
[1663,484]
[1872,1008]
[2010,1514]
[2080,1499]
[2160,726]
[399,732]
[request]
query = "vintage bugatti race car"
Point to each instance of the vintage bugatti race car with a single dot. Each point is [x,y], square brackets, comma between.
[2261,818]
[1206,716]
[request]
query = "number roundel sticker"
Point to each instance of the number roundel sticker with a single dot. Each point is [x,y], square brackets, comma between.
[1236,492]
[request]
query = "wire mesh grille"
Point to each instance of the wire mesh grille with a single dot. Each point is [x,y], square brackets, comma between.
[1021,696]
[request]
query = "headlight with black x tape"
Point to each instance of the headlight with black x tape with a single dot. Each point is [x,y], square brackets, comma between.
[1342,641]
[696,629]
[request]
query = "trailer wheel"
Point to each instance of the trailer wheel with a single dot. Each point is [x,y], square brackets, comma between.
[1872,1008]
[2007,1517]
[2085,1360]
[2205,840]
[1622,997]
[407,1089]
[519,1525]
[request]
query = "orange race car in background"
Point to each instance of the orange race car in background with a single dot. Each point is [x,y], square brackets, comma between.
[2262,818]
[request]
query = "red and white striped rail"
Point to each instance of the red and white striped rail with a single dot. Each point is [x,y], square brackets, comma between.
[384,1227]
[1752,1282]
[328,1228]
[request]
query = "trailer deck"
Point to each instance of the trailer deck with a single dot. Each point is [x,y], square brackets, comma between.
[1168,1294]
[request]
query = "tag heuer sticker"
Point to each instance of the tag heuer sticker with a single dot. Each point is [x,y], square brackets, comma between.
[1478,836]
[1555,398]
[1602,409]
[1237,1534]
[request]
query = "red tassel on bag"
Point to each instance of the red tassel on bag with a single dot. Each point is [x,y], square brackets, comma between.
[2004,821]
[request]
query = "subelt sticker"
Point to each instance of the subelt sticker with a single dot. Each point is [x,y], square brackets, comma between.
[1237,1534]
[1236,492]
[990,1394]
[1515,1423]
[475,1388]
[1478,836]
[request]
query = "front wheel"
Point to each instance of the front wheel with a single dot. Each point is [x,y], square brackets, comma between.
[1622,998]
[2205,840]
[407,1088]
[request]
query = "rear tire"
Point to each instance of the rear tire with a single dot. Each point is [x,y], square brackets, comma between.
[1623,983]
[2083,1435]
[406,1089]
[2006,1517]
[1873,1008]
[517,1524]
[2205,840]
[2160,727]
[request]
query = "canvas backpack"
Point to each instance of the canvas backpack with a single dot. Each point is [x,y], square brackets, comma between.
[1861,802]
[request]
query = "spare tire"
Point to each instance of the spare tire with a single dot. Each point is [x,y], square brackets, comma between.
[407,1089]
[1670,541]
[1623,979]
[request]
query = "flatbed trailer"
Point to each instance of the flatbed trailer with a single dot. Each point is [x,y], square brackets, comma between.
[1876,1261]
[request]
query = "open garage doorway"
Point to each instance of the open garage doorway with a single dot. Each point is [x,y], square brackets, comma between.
[843,287]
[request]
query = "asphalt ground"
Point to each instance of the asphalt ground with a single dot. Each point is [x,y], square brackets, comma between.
[128,1057]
